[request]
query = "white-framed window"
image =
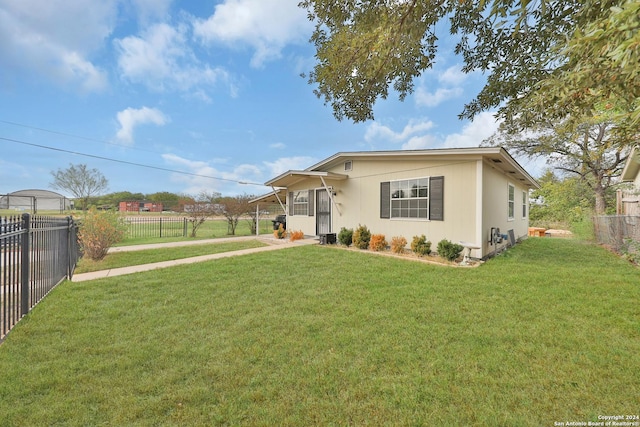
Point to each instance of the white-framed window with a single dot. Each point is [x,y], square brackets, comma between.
[348,165]
[525,196]
[511,210]
[301,202]
[410,198]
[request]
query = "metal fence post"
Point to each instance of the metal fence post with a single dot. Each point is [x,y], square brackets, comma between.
[25,265]
[69,250]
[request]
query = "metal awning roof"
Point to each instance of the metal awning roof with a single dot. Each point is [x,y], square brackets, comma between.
[632,166]
[292,177]
[272,197]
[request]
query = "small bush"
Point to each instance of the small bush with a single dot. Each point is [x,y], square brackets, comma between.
[398,244]
[420,245]
[99,231]
[449,251]
[345,236]
[378,243]
[296,235]
[361,237]
[280,233]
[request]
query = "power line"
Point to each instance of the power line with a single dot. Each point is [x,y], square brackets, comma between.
[129,163]
[70,135]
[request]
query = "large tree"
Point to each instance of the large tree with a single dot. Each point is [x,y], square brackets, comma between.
[590,150]
[82,182]
[365,48]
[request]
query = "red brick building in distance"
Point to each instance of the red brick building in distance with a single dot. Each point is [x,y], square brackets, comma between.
[140,207]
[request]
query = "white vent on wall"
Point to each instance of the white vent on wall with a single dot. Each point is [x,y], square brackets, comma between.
[348,165]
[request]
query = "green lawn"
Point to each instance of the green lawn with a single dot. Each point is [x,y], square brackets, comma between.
[212,228]
[125,259]
[546,332]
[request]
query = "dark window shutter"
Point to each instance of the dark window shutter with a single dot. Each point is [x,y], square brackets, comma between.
[385,199]
[290,202]
[436,198]
[311,198]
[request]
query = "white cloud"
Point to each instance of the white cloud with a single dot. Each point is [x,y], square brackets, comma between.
[151,10]
[265,25]
[453,76]
[132,117]
[451,82]
[376,131]
[56,39]
[415,136]
[433,99]
[161,59]
[482,127]
[207,178]
[284,164]
[277,146]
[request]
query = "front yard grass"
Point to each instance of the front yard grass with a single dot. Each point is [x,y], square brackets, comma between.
[546,332]
[125,259]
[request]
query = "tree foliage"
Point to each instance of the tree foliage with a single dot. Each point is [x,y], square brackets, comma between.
[169,200]
[81,182]
[234,208]
[591,150]
[560,201]
[99,231]
[543,52]
[198,209]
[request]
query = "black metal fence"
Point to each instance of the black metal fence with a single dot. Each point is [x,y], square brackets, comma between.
[156,226]
[36,254]
[617,231]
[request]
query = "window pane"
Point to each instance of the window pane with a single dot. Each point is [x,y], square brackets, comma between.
[410,198]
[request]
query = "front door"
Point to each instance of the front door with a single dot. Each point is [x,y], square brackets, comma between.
[323,212]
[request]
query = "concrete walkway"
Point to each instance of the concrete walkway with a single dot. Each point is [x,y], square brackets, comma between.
[273,244]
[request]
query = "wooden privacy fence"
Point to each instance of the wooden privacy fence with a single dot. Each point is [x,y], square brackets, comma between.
[617,230]
[36,254]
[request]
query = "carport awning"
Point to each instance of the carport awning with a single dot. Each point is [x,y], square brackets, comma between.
[278,195]
[290,178]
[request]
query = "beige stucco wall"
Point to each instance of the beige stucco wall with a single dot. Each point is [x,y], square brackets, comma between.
[496,206]
[358,199]
[475,199]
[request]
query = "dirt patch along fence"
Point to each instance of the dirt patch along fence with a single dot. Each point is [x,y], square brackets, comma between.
[617,231]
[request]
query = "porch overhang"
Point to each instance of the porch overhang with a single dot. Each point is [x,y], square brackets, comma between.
[632,166]
[278,195]
[293,177]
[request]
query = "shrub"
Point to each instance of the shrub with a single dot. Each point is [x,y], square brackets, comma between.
[398,244]
[98,231]
[280,233]
[420,245]
[378,243]
[345,236]
[296,235]
[361,237]
[448,250]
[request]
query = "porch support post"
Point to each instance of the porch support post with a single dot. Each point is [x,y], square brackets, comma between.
[330,195]
[257,219]
[275,193]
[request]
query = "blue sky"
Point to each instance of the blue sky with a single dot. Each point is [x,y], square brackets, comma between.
[192,96]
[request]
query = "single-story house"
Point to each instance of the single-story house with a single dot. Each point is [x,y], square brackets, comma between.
[479,196]
[137,206]
[628,200]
